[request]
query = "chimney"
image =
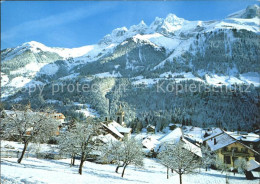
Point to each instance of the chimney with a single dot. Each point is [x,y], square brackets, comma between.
[215,141]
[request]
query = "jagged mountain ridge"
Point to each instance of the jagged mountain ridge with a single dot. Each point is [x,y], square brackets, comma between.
[172,49]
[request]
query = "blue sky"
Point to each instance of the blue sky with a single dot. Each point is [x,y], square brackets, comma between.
[78,23]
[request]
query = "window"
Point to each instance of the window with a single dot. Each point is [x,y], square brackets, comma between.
[234,148]
[227,160]
[225,148]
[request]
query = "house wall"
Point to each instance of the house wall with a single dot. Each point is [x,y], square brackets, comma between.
[150,129]
[238,154]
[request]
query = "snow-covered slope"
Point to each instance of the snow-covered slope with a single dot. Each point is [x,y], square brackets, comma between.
[175,35]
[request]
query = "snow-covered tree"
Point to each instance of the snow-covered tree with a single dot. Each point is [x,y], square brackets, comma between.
[179,159]
[23,124]
[241,164]
[208,157]
[124,153]
[224,168]
[79,140]
[112,153]
[67,146]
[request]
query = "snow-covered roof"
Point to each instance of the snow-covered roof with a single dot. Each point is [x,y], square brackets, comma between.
[123,129]
[119,128]
[222,141]
[149,142]
[151,126]
[192,147]
[250,137]
[106,138]
[252,164]
[113,129]
[212,133]
[194,133]
[173,136]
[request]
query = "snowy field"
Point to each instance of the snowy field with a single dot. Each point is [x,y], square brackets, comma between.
[59,172]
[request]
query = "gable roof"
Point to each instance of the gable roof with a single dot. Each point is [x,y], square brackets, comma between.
[149,142]
[192,147]
[113,130]
[173,136]
[213,133]
[119,127]
[123,129]
[249,137]
[194,133]
[224,140]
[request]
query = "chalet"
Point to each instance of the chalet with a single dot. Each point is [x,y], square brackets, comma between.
[250,139]
[150,128]
[172,126]
[149,142]
[59,116]
[175,137]
[228,149]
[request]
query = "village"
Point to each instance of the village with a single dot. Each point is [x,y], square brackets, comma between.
[177,151]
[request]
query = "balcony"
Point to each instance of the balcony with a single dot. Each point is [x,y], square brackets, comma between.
[235,153]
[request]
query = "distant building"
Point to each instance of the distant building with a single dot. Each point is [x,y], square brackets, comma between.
[58,116]
[172,126]
[117,128]
[120,116]
[176,136]
[150,129]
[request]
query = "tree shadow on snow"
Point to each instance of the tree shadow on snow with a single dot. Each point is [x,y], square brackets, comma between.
[26,165]
[224,176]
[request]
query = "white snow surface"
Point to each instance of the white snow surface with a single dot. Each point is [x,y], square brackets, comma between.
[150,142]
[108,74]
[19,82]
[88,111]
[4,79]
[59,172]
[246,78]
[63,52]
[172,137]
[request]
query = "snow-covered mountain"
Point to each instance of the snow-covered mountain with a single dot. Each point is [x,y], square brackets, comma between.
[216,52]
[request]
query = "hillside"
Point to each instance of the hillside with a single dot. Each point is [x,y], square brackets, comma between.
[129,65]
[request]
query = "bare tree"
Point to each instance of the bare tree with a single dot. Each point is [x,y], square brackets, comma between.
[124,153]
[80,140]
[179,159]
[28,126]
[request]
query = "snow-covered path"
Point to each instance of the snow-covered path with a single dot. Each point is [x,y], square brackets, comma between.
[59,172]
